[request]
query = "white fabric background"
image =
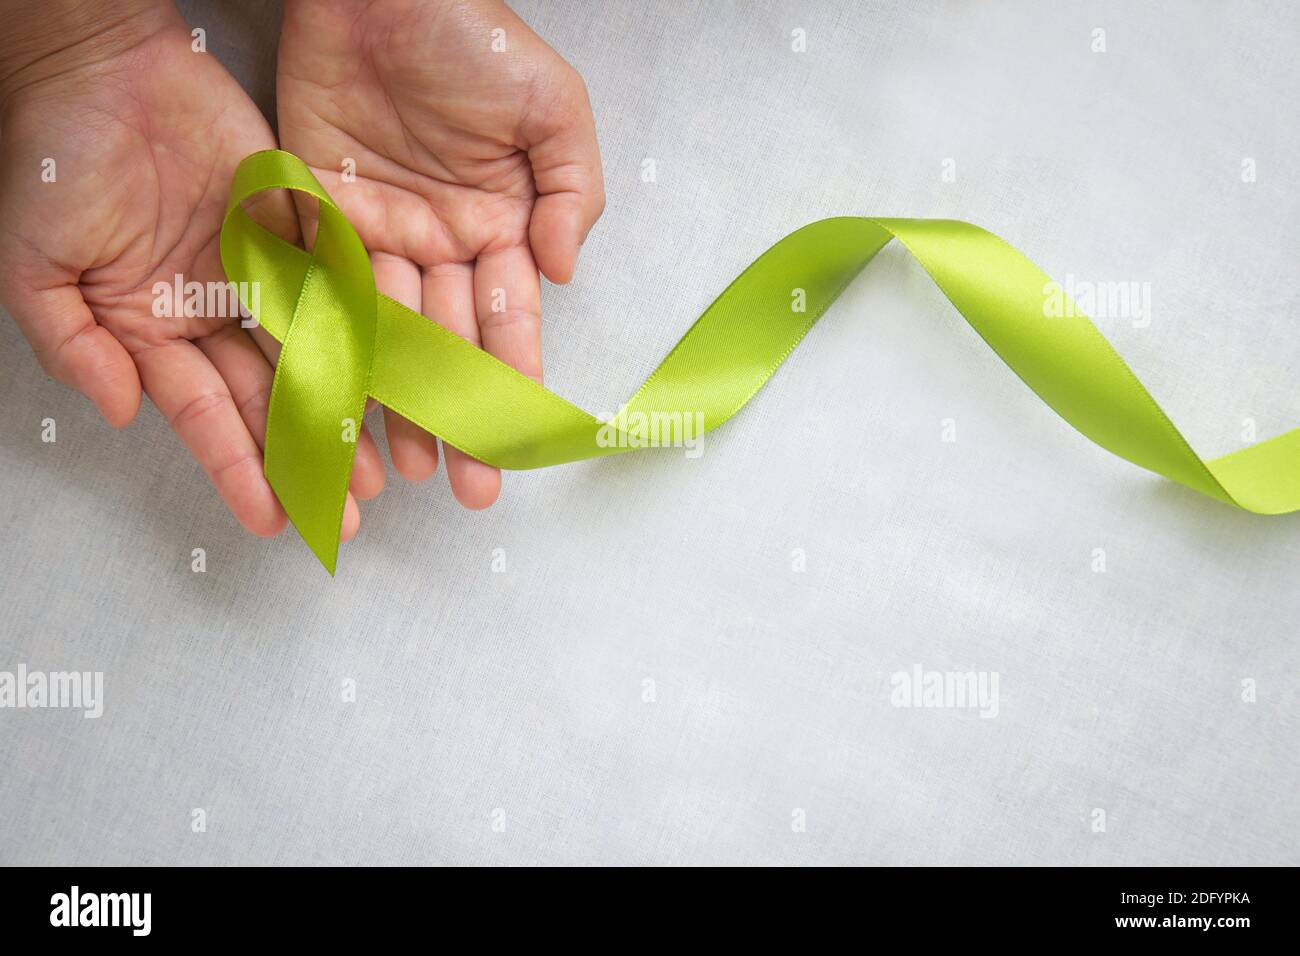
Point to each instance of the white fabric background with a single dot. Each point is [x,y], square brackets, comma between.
[522,691]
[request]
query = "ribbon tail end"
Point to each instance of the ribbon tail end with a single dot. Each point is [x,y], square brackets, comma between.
[328,558]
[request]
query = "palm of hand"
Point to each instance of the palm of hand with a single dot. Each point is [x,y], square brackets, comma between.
[462,168]
[144,147]
[378,105]
[147,201]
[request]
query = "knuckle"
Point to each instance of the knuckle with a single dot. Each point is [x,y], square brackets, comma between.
[197,407]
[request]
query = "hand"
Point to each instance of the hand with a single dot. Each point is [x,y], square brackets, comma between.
[144,134]
[464,169]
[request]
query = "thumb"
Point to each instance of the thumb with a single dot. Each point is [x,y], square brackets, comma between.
[570,185]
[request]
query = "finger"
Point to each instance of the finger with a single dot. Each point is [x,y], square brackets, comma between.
[508,302]
[367,467]
[508,305]
[246,373]
[414,451]
[76,351]
[565,158]
[351,519]
[249,376]
[198,405]
[448,299]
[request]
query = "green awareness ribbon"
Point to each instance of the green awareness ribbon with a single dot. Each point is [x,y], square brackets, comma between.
[344,342]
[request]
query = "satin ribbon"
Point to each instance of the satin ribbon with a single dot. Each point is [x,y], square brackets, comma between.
[344,342]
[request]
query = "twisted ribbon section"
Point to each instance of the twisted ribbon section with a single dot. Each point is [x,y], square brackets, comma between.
[343,342]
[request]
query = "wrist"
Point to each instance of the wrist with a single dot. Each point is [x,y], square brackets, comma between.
[53,37]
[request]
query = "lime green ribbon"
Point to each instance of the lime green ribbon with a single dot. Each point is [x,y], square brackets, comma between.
[344,342]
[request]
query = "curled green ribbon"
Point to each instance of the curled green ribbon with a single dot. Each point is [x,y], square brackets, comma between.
[344,342]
